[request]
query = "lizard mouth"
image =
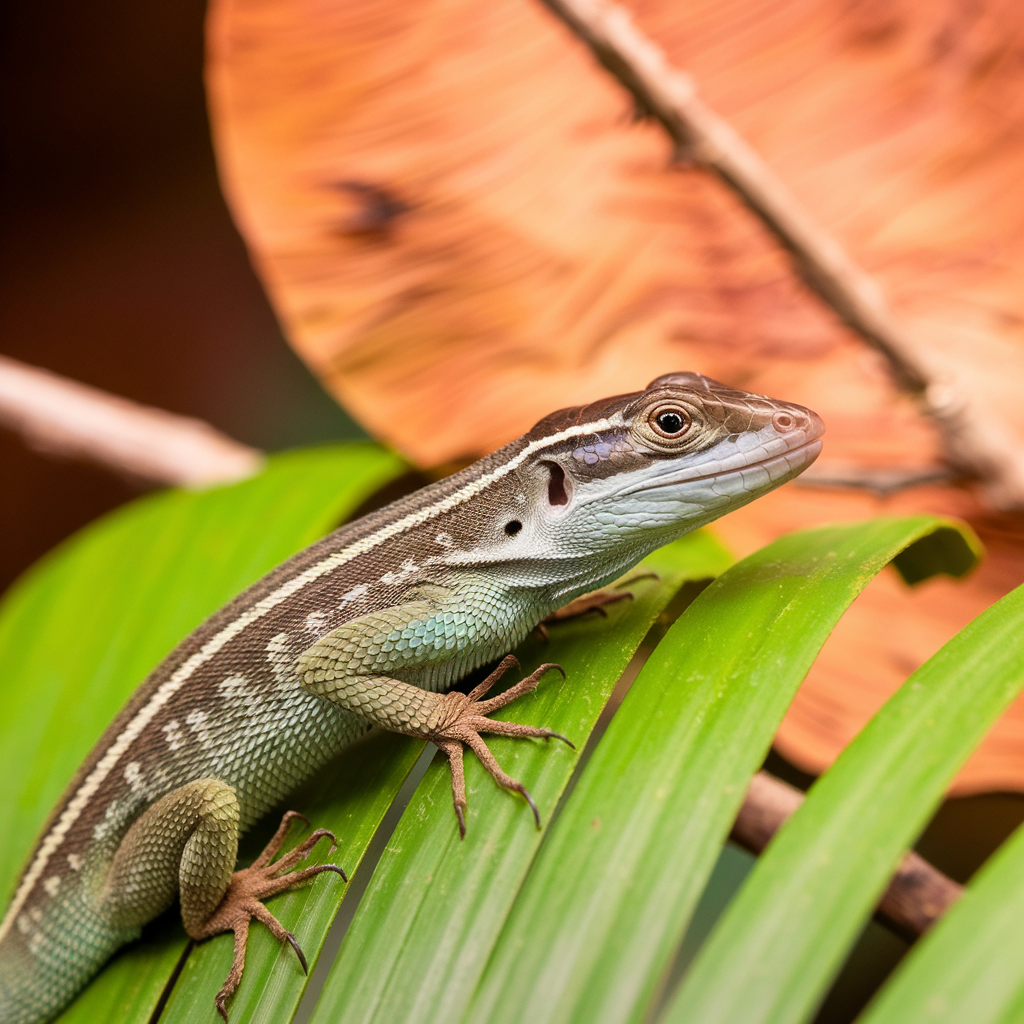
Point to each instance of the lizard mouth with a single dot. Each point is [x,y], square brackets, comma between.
[795,459]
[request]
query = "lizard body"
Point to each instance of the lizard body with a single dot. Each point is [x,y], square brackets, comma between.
[370,626]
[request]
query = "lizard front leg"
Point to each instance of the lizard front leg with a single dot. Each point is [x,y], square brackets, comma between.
[352,665]
[461,719]
[595,601]
[186,844]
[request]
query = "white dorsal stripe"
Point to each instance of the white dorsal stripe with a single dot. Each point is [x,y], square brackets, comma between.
[166,690]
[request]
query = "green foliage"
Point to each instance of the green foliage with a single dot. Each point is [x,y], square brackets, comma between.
[812,890]
[616,881]
[579,921]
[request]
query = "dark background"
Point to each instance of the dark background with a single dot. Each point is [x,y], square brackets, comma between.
[120,264]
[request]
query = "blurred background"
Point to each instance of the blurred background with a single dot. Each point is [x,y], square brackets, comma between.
[461,227]
[121,265]
[458,224]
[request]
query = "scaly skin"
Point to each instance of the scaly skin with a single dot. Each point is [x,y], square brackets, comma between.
[367,627]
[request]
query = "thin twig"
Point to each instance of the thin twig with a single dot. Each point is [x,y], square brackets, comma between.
[881,480]
[974,443]
[63,417]
[918,894]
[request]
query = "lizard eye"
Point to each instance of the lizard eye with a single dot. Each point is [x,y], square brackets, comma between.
[671,422]
[668,425]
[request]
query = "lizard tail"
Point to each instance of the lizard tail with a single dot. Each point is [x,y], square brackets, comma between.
[47,959]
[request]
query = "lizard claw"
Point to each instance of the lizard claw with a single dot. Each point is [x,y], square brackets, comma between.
[533,806]
[630,580]
[294,943]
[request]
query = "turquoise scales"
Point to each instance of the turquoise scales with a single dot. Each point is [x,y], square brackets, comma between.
[368,627]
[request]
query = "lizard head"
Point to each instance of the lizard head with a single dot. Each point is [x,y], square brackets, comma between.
[650,466]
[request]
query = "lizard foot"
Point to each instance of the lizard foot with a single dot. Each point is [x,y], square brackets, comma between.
[251,885]
[593,602]
[463,716]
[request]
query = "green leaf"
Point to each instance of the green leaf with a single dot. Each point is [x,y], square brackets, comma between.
[784,937]
[82,628]
[970,966]
[421,936]
[840,848]
[615,882]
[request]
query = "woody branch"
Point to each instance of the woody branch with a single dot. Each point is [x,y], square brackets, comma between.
[975,444]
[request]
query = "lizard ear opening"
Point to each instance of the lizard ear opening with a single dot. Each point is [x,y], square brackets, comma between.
[558,488]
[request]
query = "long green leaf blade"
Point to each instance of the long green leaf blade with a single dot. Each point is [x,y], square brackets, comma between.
[615,882]
[422,934]
[82,628]
[970,966]
[773,953]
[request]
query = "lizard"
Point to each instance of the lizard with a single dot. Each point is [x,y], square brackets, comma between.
[370,626]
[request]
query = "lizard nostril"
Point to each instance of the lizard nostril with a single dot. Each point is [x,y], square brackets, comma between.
[784,421]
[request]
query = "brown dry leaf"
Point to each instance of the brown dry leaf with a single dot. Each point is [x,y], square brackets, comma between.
[462,229]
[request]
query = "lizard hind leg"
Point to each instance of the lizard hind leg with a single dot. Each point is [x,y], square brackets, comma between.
[243,900]
[186,844]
